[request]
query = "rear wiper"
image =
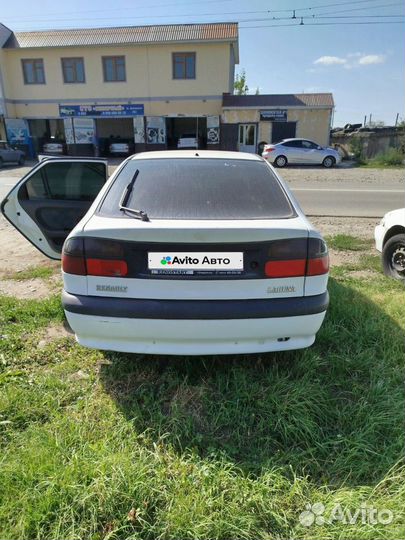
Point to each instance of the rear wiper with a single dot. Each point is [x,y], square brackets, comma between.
[140,214]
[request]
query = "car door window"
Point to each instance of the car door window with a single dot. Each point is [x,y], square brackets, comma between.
[36,187]
[308,145]
[293,144]
[66,181]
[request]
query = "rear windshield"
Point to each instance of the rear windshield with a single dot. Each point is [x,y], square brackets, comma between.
[199,188]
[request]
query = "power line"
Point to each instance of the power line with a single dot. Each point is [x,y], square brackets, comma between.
[321,24]
[321,6]
[358,9]
[355,17]
[80,13]
[290,10]
[304,20]
[316,17]
[304,17]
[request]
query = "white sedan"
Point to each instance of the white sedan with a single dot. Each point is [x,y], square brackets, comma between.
[53,148]
[119,149]
[300,151]
[180,252]
[187,141]
[390,240]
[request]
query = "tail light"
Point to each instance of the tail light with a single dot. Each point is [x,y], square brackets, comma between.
[106,267]
[73,261]
[318,257]
[292,257]
[297,257]
[94,257]
[268,149]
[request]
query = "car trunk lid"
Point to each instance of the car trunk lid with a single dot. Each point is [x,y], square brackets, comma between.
[256,242]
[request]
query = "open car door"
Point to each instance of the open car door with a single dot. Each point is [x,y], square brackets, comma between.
[49,201]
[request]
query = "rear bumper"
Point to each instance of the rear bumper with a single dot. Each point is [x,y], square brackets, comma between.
[195,333]
[140,308]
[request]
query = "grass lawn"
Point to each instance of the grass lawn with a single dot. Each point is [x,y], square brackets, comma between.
[346,242]
[98,445]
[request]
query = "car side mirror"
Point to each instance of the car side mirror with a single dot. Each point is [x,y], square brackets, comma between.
[320,148]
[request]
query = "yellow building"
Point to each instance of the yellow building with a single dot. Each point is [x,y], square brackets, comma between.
[143,85]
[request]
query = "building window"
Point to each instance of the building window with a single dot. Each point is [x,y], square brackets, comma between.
[73,70]
[183,65]
[114,68]
[33,71]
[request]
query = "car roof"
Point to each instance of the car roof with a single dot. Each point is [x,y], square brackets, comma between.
[295,139]
[212,154]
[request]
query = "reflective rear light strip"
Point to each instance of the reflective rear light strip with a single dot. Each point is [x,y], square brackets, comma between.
[105,267]
[290,268]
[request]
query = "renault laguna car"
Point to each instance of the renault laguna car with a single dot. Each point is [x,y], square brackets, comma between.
[180,252]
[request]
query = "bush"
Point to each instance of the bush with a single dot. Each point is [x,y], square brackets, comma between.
[357,150]
[392,156]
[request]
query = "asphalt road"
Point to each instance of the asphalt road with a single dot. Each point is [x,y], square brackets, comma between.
[349,201]
[336,192]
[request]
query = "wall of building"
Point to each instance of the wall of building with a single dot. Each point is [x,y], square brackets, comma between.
[3,107]
[152,108]
[148,76]
[312,124]
[2,130]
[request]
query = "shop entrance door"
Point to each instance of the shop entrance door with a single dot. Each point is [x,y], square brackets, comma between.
[283,130]
[247,138]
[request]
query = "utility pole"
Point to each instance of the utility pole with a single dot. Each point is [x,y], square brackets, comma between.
[365,121]
[369,122]
[396,119]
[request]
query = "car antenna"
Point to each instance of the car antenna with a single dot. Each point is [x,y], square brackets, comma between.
[197,154]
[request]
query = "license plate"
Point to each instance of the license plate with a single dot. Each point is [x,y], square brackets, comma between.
[182,261]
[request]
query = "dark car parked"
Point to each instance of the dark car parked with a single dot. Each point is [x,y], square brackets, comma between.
[8,154]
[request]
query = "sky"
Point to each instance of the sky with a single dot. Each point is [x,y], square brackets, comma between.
[336,49]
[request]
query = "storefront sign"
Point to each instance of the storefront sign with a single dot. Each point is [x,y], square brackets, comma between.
[155,130]
[17,131]
[101,110]
[274,116]
[213,130]
[139,129]
[84,130]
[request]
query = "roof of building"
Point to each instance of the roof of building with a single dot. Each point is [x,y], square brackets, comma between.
[279,100]
[5,33]
[170,33]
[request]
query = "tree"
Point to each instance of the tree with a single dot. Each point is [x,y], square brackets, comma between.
[240,86]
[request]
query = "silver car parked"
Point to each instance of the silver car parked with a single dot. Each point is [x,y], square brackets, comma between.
[9,154]
[300,151]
